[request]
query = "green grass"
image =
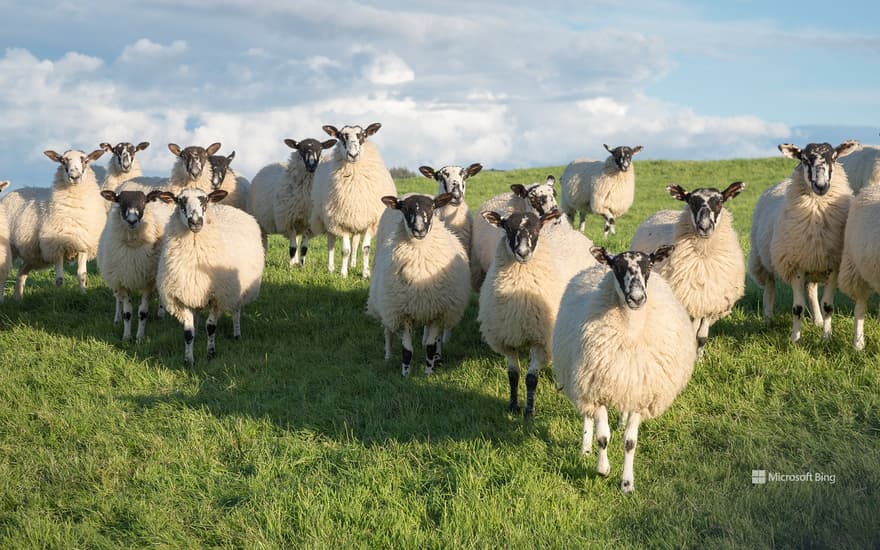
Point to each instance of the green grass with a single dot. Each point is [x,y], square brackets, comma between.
[300,435]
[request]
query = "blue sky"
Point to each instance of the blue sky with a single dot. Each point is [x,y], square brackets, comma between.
[508,84]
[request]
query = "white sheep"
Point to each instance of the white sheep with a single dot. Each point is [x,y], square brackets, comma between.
[622,339]
[706,270]
[537,197]
[455,215]
[123,164]
[5,248]
[797,231]
[860,263]
[128,252]
[520,298]
[346,194]
[211,259]
[26,209]
[862,167]
[421,276]
[224,177]
[604,187]
[281,195]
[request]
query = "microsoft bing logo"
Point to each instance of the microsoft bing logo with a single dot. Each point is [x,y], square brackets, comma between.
[759,477]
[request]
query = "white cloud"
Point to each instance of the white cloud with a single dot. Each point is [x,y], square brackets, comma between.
[147,49]
[388,69]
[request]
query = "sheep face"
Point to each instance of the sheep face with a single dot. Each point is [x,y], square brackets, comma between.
[542,196]
[705,205]
[310,150]
[74,163]
[418,212]
[124,153]
[631,271]
[131,205]
[452,179]
[817,161]
[194,157]
[219,167]
[192,205]
[521,230]
[623,155]
[352,138]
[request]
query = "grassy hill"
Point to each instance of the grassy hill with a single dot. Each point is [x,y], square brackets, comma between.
[300,435]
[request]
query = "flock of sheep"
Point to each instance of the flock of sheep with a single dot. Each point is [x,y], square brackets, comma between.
[623,330]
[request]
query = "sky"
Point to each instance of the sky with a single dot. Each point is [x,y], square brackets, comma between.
[510,85]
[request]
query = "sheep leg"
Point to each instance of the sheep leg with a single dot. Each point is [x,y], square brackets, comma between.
[346,254]
[211,329]
[143,313]
[303,248]
[124,297]
[609,225]
[236,324]
[583,217]
[513,380]
[81,275]
[294,249]
[587,436]
[432,351]
[797,310]
[603,436]
[828,304]
[536,361]
[20,281]
[631,437]
[702,336]
[447,333]
[769,298]
[859,315]
[387,344]
[59,273]
[406,340]
[815,310]
[189,334]
[368,237]
[331,253]
[355,243]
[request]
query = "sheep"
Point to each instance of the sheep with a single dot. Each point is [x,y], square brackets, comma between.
[456,215]
[26,209]
[862,167]
[223,177]
[123,165]
[520,298]
[128,252]
[75,215]
[421,276]
[537,197]
[706,270]
[860,263]
[605,188]
[621,339]
[5,248]
[346,192]
[211,259]
[797,231]
[281,195]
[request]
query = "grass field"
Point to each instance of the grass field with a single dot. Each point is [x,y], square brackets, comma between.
[300,435]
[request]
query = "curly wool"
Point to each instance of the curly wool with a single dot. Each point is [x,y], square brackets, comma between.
[25,210]
[219,268]
[862,167]
[115,176]
[706,274]
[129,258]
[598,186]
[860,264]
[346,195]
[459,220]
[281,196]
[605,354]
[74,219]
[238,188]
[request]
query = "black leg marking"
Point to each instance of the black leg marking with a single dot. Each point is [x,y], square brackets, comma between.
[531,386]
[701,341]
[292,251]
[797,311]
[211,329]
[602,442]
[827,308]
[302,251]
[126,316]
[367,249]
[407,357]
[142,316]
[188,337]
[629,445]
[626,484]
[59,281]
[513,378]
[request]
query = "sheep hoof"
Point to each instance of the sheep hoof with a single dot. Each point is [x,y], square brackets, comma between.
[529,414]
[859,344]
[429,371]
[188,363]
[627,486]
[795,336]
[513,407]
[212,354]
[404,371]
[59,281]
[126,338]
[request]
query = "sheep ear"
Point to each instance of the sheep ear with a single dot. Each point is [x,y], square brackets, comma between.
[164,196]
[549,216]
[372,129]
[328,144]
[142,145]
[213,148]
[291,143]
[4,184]
[427,171]
[791,151]
[442,200]
[551,181]
[174,148]
[847,147]
[733,190]
[636,149]
[520,190]
[390,201]
[662,253]
[106,146]
[109,195]
[231,156]
[95,155]
[153,195]
[331,130]
[602,256]
[607,148]
[472,170]
[217,196]
[493,218]
[678,192]
[53,155]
